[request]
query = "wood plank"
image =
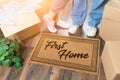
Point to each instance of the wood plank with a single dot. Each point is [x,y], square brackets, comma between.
[102,73]
[14,73]
[4,71]
[55,73]
[36,72]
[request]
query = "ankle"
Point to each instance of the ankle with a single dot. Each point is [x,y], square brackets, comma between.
[89,30]
[73,29]
[51,15]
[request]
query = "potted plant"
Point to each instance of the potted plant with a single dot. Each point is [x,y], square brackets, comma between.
[10,53]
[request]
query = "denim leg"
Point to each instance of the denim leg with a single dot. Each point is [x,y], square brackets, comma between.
[79,12]
[96,12]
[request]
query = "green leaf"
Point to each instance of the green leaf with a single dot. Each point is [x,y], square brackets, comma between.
[5,53]
[4,41]
[17,47]
[2,58]
[11,50]
[12,44]
[16,59]
[18,65]
[3,46]
[2,51]
[6,62]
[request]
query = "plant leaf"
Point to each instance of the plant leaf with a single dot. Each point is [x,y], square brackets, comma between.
[2,51]
[12,44]
[16,59]
[5,53]
[3,46]
[18,65]
[17,47]
[4,41]
[11,51]
[2,58]
[6,62]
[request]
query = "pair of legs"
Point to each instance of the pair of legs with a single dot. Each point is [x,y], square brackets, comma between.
[95,17]
[79,11]
[56,7]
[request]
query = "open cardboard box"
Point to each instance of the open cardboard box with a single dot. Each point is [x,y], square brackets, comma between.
[110,30]
[117,1]
[111,60]
[110,26]
[30,28]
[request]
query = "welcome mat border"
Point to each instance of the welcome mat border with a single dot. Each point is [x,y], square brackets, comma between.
[93,69]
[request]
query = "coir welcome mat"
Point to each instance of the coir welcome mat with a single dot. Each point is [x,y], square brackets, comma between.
[80,54]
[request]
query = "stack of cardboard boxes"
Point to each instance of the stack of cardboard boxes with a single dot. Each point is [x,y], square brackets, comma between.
[110,33]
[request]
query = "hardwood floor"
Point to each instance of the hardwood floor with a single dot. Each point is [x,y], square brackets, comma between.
[42,72]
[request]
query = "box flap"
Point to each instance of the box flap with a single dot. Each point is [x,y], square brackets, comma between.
[109,69]
[112,11]
[109,30]
[31,19]
[114,49]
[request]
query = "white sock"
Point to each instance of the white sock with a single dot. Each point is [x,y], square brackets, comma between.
[89,31]
[49,23]
[73,29]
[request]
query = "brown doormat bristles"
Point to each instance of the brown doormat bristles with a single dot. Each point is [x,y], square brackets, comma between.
[73,53]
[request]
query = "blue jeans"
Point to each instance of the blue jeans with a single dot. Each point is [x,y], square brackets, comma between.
[80,9]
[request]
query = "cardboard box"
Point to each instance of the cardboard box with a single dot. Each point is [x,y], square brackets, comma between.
[29,32]
[110,30]
[26,30]
[117,1]
[112,11]
[110,26]
[111,60]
